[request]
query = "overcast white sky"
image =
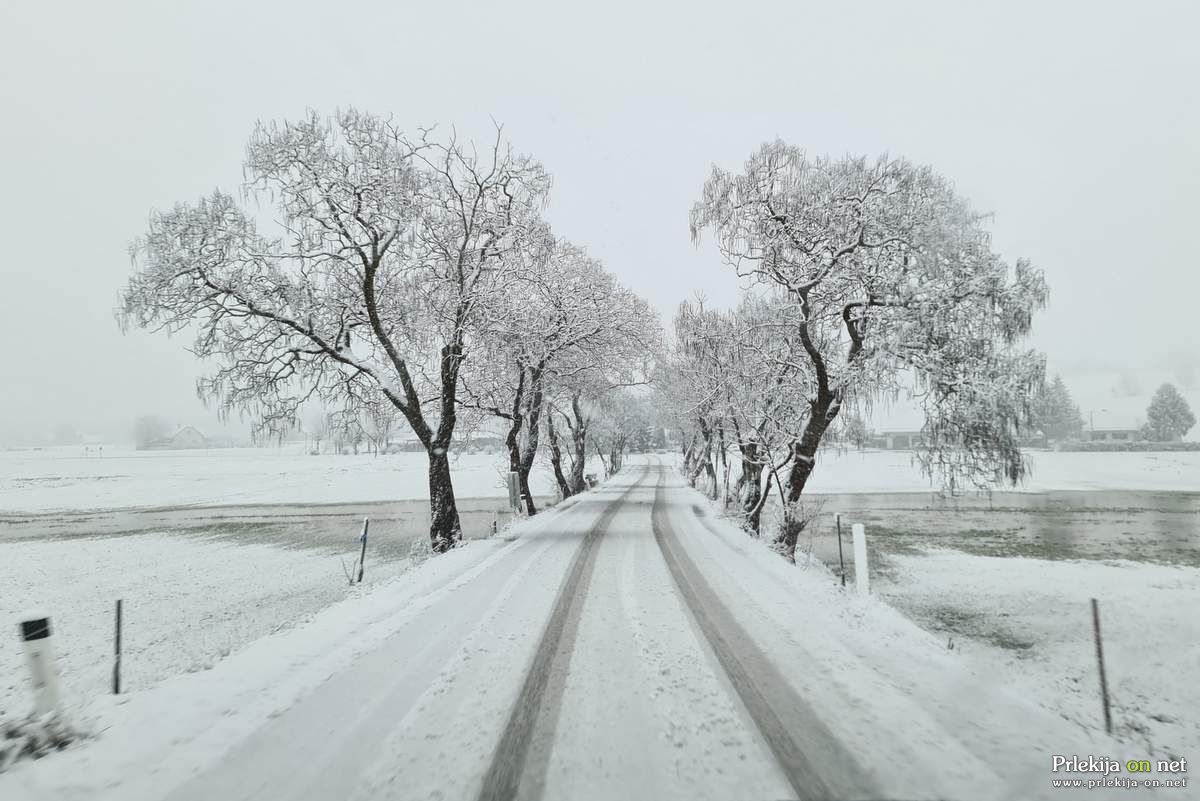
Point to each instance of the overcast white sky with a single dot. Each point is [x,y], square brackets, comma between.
[1077,124]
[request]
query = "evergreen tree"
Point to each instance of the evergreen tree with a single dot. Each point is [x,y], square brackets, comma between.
[1168,417]
[1056,413]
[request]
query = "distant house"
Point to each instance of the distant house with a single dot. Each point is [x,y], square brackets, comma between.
[483,441]
[1120,421]
[186,438]
[900,440]
[1114,434]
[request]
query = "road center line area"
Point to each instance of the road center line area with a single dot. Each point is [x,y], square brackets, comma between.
[531,724]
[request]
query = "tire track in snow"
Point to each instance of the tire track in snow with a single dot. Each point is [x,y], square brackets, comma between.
[521,756]
[816,765]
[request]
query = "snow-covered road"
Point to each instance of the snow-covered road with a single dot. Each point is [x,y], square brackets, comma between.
[620,647]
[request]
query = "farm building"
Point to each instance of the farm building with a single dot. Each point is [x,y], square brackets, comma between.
[1114,434]
[900,440]
[186,438]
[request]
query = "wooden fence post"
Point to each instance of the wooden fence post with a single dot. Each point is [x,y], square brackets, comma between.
[1100,661]
[117,651]
[363,557]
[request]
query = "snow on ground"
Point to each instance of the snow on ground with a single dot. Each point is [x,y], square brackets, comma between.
[195,593]
[928,720]
[154,739]
[64,479]
[896,471]
[415,676]
[403,691]
[188,602]
[1028,622]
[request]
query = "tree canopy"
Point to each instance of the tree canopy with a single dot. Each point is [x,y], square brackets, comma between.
[1168,416]
[876,279]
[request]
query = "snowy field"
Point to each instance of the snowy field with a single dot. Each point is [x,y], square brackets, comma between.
[1028,622]
[64,479]
[1005,582]
[58,479]
[198,585]
[1007,588]
[188,602]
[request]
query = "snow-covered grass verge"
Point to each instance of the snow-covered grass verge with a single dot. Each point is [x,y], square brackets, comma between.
[188,602]
[34,737]
[1023,621]
[208,710]
[930,721]
[1028,623]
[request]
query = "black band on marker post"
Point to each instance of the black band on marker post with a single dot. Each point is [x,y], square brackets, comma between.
[38,629]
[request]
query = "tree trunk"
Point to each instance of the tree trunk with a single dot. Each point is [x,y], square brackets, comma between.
[513,443]
[578,460]
[523,486]
[525,464]
[723,461]
[445,529]
[705,464]
[513,440]
[749,487]
[689,461]
[556,456]
[578,445]
[804,460]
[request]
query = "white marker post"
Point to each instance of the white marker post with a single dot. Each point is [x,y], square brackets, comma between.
[39,654]
[514,492]
[862,576]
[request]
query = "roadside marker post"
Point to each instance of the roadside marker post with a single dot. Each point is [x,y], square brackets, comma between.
[38,644]
[841,559]
[862,576]
[514,491]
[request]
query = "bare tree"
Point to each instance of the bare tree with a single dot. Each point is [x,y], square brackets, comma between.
[734,385]
[891,278]
[627,359]
[148,429]
[390,257]
[622,416]
[378,423]
[346,430]
[567,318]
[317,428]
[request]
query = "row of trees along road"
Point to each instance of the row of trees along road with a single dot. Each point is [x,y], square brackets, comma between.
[412,273]
[864,279]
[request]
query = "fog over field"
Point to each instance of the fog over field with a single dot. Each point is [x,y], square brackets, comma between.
[1063,120]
